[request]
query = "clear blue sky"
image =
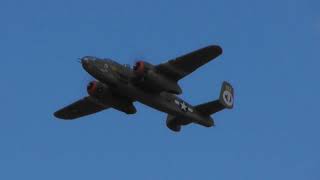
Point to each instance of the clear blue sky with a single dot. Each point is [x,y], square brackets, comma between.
[271,56]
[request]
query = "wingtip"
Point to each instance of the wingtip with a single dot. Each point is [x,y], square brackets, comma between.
[217,49]
[58,115]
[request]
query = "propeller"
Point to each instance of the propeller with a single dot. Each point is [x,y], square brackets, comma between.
[79,60]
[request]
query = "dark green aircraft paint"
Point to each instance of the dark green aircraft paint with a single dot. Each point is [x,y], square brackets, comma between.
[118,86]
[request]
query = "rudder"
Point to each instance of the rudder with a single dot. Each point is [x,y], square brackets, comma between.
[226,95]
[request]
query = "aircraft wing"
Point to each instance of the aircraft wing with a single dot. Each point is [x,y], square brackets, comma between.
[83,107]
[180,67]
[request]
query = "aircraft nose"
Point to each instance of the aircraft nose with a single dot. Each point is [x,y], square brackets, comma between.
[86,62]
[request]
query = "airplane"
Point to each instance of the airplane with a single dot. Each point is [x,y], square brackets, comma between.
[119,86]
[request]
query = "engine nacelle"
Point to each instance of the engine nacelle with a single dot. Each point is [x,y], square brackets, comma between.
[173,125]
[97,89]
[147,77]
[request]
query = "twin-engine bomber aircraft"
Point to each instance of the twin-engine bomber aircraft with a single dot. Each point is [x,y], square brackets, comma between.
[118,86]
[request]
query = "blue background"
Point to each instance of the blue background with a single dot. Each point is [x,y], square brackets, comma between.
[271,56]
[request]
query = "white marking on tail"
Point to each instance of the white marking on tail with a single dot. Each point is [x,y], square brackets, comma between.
[227,98]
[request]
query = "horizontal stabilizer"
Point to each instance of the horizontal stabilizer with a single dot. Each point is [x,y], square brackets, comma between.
[225,100]
[210,107]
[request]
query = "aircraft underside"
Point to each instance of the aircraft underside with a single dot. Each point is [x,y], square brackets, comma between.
[117,86]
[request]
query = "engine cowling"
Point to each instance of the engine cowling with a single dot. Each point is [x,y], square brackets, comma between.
[97,89]
[147,77]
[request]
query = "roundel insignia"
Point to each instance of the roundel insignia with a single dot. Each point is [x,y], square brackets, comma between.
[227,98]
[184,107]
